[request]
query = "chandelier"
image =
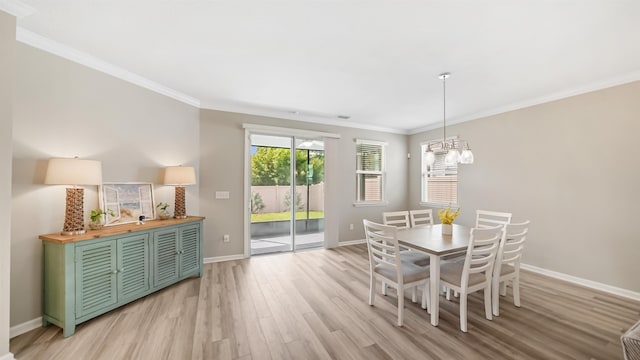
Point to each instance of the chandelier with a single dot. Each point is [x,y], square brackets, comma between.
[451,146]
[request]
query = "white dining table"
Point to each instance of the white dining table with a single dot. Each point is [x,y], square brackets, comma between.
[430,240]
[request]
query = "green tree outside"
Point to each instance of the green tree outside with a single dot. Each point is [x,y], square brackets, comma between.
[270,166]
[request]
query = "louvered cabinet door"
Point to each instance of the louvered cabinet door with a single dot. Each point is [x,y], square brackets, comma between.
[96,277]
[133,267]
[189,250]
[165,257]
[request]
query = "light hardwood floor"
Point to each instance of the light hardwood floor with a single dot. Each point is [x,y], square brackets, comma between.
[313,305]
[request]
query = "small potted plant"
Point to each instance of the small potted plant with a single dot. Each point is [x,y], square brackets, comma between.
[96,218]
[446,217]
[163,212]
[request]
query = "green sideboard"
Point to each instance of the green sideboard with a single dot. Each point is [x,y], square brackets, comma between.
[87,275]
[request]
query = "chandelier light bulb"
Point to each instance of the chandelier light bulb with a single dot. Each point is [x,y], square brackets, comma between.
[430,157]
[452,157]
[466,157]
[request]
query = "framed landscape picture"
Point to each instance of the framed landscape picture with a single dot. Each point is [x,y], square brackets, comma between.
[128,201]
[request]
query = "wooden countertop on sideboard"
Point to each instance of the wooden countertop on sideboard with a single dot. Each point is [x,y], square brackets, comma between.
[117,230]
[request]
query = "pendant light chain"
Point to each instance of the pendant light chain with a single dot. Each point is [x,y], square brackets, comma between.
[454,156]
[444,107]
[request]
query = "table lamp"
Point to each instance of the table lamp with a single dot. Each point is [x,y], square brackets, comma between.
[74,172]
[180,176]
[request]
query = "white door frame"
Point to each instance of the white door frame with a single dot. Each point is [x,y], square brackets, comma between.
[250,129]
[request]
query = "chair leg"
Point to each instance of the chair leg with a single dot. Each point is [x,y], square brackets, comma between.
[414,294]
[372,289]
[455,293]
[447,293]
[503,288]
[516,291]
[495,296]
[487,302]
[463,312]
[400,305]
[383,289]
[426,301]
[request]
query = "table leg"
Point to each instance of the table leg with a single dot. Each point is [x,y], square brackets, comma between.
[435,288]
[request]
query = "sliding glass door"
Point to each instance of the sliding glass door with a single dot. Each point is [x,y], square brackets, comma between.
[287,194]
[309,229]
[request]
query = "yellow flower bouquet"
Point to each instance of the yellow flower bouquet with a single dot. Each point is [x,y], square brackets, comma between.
[447,216]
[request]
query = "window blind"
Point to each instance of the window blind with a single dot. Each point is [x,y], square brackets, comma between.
[369,171]
[369,157]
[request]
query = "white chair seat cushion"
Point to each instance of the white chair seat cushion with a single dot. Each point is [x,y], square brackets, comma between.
[506,269]
[411,272]
[452,273]
[415,257]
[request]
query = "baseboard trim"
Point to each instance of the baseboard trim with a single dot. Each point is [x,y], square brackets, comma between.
[24,327]
[216,259]
[352,242]
[584,282]
[8,356]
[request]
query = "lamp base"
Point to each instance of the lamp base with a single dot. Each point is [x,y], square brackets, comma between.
[180,211]
[74,212]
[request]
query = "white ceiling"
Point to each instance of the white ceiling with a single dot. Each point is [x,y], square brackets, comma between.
[374,61]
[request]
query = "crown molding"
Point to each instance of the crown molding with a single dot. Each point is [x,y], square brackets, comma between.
[621,80]
[30,38]
[16,8]
[38,41]
[307,117]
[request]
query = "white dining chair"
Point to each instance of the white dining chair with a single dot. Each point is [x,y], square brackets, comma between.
[507,265]
[474,273]
[485,218]
[386,264]
[401,220]
[422,217]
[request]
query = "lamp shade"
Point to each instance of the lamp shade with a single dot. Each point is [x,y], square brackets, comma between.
[179,175]
[73,172]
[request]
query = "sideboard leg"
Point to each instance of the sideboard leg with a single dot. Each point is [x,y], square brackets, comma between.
[69,330]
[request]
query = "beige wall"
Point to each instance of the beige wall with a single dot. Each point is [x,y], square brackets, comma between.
[63,109]
[7,71]
[222,169]
[570,166]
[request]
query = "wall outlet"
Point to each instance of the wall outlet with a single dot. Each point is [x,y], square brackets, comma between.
[225,238]
[350,226]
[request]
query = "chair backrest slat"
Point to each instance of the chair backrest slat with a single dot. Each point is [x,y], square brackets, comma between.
[383,247]
[481,253]
[422,217]
[485,218]
[511,246]
[399,219]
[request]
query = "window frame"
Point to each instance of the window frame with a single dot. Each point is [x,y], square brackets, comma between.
[382,172]
[424,172]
